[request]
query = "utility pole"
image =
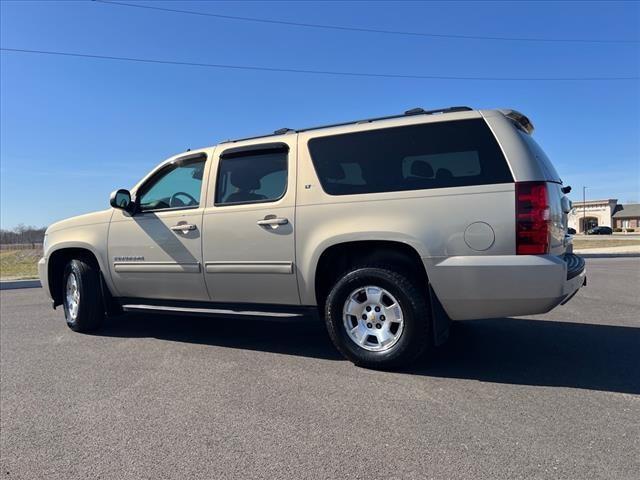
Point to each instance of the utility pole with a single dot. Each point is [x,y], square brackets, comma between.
[584,210]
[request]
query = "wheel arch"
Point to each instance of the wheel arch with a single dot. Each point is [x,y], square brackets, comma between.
[339,257]
[58,259]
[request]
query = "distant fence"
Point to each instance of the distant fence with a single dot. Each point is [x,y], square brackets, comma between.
[21,246]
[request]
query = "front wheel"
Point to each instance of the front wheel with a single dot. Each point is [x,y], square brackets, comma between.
[82,298]
[378,318]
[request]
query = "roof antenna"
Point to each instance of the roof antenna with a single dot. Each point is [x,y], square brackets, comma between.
[415,111]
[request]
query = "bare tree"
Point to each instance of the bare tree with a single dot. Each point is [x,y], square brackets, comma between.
[22,234]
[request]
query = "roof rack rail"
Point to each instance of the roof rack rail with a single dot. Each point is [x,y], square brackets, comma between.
[422,111]
[413,111]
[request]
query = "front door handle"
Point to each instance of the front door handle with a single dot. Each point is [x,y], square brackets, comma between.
[184,227]
[272,221]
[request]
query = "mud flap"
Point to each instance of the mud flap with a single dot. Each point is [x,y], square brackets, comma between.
[111,307]
[441,321]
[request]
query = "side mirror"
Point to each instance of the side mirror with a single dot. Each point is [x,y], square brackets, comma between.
[121,199]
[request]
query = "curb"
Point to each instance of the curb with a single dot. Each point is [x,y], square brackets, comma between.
[608,255]
[15,284]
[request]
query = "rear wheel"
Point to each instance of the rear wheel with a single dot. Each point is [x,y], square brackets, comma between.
[378,318]
[82,299]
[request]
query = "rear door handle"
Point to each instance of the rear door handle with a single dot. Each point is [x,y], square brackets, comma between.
[184,228]
[272,221]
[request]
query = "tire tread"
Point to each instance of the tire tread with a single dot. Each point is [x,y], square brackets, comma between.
[91,311]
[411,293]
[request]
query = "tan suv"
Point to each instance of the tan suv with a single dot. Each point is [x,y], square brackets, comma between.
[389,226]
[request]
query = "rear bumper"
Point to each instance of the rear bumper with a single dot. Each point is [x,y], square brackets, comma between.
[575,265]
[506,285]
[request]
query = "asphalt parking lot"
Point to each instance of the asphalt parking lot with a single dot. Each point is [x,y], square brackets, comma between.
[552,396]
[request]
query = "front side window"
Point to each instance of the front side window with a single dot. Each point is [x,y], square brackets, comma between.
[252,177]
[177,186]
[414,157]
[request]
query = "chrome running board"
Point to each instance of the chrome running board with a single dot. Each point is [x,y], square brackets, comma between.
[205,311]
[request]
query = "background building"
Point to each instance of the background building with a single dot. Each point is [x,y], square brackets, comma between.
[627,216]
[609,213]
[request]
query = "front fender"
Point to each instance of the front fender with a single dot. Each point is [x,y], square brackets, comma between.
[92,238]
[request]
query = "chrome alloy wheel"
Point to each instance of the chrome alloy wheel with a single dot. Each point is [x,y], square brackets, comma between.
[72,296]
[373,318]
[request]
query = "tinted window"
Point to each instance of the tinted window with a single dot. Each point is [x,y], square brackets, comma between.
[176,186]
[252,177]
[436,155]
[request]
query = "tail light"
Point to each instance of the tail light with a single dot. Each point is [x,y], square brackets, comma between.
[532,218]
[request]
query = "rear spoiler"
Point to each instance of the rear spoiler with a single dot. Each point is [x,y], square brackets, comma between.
[521,120]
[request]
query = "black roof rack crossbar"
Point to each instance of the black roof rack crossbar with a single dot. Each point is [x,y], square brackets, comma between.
[282,131]
[413,111]
[422,111]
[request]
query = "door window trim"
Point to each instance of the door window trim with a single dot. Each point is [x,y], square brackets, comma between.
[158,174]
[246,151]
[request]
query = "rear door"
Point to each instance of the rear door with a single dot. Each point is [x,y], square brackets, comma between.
[157,252]
[249,224]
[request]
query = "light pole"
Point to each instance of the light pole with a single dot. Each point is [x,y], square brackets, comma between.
[584,210]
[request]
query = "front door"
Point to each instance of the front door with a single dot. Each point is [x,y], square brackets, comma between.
[249,223]
[157,252]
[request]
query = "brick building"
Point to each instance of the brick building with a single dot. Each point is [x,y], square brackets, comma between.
[608,212]
[627,216]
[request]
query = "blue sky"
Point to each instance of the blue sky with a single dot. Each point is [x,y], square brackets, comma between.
[72,129]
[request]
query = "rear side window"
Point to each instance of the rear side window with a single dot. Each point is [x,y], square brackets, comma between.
[415,157]
[252,177]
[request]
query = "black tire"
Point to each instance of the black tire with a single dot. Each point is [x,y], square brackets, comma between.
[412,298]
[90,311]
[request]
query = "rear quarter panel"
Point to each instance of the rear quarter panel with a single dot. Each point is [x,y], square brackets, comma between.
[522,162]
[529,163]
[432,221]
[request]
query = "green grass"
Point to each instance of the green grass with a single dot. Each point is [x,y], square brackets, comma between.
[579,243]
[19,264]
